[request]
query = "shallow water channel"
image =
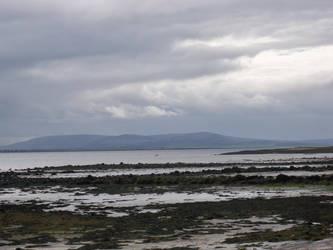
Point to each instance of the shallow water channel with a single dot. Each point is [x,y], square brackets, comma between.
[83,201]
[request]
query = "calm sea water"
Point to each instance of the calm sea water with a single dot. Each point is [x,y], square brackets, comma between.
[41,159]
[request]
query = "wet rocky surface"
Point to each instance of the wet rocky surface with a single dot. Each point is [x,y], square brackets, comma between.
[271,205]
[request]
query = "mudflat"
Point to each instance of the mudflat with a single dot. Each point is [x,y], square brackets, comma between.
[261,205]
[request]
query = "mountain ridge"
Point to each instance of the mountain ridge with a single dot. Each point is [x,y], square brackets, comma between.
[137,142]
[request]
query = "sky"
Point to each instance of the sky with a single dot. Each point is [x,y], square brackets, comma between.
[259,69]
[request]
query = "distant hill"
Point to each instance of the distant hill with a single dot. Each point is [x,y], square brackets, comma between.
[136,142]
[132,142]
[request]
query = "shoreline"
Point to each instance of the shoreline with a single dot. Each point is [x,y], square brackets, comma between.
[296,150]
[187,208]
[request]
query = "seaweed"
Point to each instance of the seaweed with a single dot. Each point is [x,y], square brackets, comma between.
[21,224]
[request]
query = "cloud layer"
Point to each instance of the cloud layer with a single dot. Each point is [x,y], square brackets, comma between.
[248,68]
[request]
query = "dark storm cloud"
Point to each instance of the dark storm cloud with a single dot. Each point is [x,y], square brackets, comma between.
[95,66]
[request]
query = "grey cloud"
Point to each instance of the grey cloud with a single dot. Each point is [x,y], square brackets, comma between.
[53,53]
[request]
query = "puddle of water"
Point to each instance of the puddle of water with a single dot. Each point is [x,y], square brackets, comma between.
[68,199]
[215,241]
[289,173]
[325,244]
[48,246]
[148,171]
[114,172]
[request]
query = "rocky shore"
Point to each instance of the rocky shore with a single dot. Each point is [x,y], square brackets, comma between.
[192,206]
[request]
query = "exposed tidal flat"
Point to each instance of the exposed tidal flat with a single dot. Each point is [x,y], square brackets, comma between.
[262,203]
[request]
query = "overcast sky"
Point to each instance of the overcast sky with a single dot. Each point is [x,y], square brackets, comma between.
[261,69]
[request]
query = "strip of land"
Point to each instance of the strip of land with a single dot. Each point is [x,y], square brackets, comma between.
[297,150]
